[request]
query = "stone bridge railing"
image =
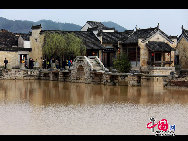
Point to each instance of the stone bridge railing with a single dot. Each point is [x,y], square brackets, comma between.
[98,61]
[83,58]
[88,62]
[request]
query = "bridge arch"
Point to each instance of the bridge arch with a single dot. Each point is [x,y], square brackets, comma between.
[83,66]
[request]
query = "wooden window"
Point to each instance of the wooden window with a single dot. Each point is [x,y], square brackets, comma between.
[157,56]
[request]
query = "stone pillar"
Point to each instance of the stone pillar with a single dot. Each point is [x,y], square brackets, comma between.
[143,55]
[133,80]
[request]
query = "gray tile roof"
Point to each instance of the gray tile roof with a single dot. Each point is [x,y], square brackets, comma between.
[15,49]
[95,24]
[7,39]
[25,36]
[159,46]
[114,37]
[89,38]
[98,25]
[143,34]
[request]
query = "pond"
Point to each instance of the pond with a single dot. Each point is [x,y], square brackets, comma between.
[52,107]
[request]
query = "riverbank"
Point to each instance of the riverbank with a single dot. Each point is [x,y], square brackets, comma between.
[104,78]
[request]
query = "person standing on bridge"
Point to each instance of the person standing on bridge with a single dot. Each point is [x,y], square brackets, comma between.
[69,63]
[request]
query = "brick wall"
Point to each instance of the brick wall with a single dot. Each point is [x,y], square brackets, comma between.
[182,48]
[12,57]
[36,42]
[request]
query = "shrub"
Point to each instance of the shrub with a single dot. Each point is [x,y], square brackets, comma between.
[121,63]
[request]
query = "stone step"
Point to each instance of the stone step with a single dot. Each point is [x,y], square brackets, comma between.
[95,64]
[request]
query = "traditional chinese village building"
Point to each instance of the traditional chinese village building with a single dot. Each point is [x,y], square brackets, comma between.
[96,27]
[182,49]
[112,43]
[109,38]
[92,43]
[14,47]
[150,48]
[145,48]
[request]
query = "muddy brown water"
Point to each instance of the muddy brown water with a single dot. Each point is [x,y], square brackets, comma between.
[51,107]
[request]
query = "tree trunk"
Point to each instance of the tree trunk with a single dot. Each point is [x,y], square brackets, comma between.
[60,65]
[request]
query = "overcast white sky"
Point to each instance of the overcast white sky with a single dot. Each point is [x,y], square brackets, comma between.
[170,20]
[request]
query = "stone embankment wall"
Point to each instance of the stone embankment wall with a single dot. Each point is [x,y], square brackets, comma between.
[105,78]
[181,81]
[19,74]
[161,70]
[65,76]
[134,80]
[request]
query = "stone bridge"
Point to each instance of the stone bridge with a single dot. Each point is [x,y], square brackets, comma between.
[84,69]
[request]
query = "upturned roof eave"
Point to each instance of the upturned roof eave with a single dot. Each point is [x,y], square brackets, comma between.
[161,33]
[155,46]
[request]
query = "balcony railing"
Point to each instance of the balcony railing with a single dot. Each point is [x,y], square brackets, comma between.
[159,63]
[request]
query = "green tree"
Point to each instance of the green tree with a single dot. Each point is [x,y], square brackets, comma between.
[74,45]
[121,63]
[63,45]
[54,45]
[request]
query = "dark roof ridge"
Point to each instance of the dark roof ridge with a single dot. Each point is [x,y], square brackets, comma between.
[61,31]
[144,34]
[36,26]
[93,22]
[184,34]
[158,29]
[129,35]
[66,30]
[165,35]
[146,28]
[185,31]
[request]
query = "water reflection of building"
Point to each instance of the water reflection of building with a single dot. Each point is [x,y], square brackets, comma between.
[54,92]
